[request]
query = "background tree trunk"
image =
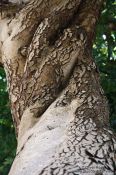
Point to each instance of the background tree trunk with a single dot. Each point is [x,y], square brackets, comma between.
[59,110]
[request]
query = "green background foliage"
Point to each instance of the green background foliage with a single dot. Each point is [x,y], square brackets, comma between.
[7,136]
[104,52]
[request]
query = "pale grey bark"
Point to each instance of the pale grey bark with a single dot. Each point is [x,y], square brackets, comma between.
[59,109]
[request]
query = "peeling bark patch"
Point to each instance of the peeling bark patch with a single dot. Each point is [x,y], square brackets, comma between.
[89,147]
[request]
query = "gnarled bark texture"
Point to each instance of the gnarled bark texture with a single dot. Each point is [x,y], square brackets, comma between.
[58,106]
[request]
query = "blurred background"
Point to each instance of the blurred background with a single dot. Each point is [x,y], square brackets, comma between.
[104,52]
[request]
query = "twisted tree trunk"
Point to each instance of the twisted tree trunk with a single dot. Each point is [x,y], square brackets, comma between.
[59,110]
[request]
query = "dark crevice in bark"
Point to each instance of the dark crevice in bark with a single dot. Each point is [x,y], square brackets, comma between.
[64,25]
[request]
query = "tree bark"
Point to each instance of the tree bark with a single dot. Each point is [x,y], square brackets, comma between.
[58,106]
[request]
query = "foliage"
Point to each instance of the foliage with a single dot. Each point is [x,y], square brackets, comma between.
[7,136]
[104,51]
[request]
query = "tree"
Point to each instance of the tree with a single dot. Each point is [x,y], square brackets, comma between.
[59,109]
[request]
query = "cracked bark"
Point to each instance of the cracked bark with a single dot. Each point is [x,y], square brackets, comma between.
[58,106]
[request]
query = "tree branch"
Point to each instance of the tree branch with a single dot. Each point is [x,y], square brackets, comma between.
[111,23]
[21,30]
[87,17]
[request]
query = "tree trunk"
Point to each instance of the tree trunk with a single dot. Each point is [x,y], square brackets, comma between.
[58,106]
